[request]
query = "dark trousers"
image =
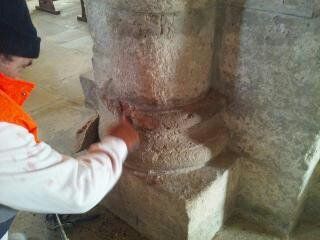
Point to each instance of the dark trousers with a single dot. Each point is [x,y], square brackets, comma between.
[4,227]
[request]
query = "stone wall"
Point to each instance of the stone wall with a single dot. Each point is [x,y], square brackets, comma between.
[268,66]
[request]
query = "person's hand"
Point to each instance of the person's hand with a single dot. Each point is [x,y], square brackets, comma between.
[125,131]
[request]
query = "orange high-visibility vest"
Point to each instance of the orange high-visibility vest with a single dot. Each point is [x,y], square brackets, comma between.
[13,93]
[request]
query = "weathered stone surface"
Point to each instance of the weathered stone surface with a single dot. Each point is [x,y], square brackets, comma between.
[173,151]
[190,205]
[275,202]
[239,228]
[155,68]
[312,206]
[302,8]
[162,6]
[181,138]
[269,69]
[316,6]
[171,140]
[152,62]
[152,58]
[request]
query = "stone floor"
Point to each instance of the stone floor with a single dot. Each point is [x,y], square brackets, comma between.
[57,105]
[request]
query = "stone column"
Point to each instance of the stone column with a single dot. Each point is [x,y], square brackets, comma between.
[152,61]
[154,58]
[269,68]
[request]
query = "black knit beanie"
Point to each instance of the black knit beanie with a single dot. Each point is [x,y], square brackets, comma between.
[18,36]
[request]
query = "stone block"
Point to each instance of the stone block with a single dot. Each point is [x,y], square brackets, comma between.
[187,205]
[269,198]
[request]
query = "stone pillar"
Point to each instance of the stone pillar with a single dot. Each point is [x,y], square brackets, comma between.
[152,61]
[154,58]
[268,66]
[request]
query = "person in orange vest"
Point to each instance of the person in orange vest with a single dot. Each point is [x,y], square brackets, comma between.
[33,176]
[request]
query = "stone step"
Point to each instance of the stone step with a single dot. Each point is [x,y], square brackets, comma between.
[183,206]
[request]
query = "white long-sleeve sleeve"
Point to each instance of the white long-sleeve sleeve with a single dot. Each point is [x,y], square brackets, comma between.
[36,178]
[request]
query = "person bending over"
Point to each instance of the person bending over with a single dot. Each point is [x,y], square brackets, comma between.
[33,176]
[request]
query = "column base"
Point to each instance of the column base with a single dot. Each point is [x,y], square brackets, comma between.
[188,205]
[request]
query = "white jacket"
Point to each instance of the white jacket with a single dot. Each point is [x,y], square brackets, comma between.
[36,178]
